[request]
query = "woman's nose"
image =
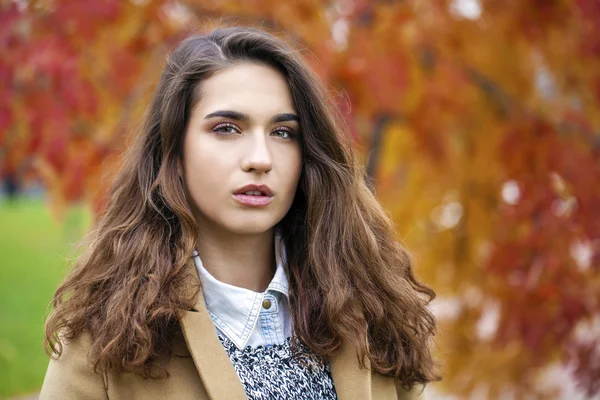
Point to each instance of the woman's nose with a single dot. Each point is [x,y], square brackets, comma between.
[258,156]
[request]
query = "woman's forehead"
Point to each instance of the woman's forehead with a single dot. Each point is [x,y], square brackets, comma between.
[255,90]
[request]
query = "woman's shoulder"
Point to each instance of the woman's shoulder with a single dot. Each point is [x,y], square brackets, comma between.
[71,374]
[416,393]
[75,347]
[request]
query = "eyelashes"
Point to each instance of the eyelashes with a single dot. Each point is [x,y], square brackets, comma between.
[226,129]
[219,128]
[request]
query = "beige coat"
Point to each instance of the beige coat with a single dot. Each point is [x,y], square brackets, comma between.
[199,369]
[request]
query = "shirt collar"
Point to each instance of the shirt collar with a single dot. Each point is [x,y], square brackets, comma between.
[235,310]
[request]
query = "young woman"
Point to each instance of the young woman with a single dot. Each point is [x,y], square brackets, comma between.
[241,254]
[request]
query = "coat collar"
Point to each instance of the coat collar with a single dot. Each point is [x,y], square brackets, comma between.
[218,374]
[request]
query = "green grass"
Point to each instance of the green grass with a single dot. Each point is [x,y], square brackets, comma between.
[33,251]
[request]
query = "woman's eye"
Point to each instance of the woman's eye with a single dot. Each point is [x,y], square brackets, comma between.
[285,131]
[225,128]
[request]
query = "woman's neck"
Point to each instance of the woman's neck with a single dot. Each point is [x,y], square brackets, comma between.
[245,261]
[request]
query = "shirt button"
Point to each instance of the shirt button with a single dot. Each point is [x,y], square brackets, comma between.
[266,304]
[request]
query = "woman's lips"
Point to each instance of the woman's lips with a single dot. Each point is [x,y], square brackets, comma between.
[252,201]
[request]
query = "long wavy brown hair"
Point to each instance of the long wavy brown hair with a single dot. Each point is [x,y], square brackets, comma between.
[350,279]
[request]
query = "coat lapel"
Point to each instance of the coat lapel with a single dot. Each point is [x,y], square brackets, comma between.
[222,382]
[216,371]
[350,381]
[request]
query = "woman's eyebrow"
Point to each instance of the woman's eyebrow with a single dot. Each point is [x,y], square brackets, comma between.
[238,116]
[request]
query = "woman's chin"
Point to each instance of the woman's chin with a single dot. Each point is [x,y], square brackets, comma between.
[251,226]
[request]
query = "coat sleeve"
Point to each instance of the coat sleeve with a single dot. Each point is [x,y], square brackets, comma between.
[72,375]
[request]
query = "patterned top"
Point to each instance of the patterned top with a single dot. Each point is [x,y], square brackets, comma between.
[271,372]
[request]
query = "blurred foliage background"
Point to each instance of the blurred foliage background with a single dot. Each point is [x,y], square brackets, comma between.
[477,120]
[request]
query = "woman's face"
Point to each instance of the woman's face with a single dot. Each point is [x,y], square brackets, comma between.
[242,131]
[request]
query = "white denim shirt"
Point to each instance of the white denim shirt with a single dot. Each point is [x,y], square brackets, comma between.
[246,317]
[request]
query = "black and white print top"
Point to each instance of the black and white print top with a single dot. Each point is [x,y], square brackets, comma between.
[270,372]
